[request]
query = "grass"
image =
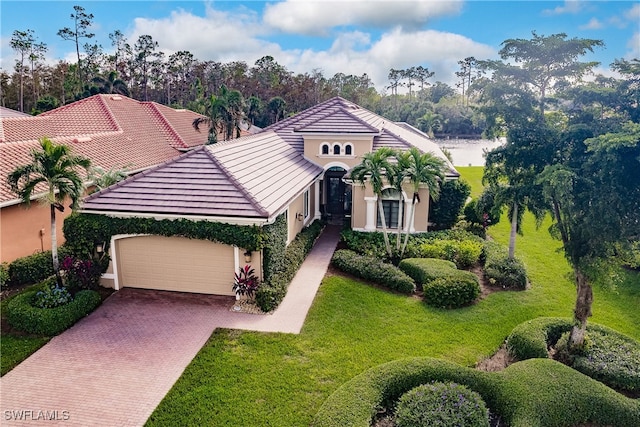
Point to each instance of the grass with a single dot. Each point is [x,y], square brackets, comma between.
[260,379]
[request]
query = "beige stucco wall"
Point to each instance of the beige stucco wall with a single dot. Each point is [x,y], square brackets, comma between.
[360,146]
[20,229]
[297,206]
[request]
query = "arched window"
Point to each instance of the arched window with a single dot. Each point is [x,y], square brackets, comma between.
[348,150]
[336,149]
[391,208]
[325,149]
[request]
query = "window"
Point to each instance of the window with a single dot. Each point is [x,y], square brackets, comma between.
[336,149]
[305,204]
[348,150]
[391,208]
[325,149]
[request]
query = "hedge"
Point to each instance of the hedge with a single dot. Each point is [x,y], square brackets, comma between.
[500,270]
[532,393]
[283,266]
[49,321]
[452,291]
[373,270]
[530,339]
[424,270]
[34,268]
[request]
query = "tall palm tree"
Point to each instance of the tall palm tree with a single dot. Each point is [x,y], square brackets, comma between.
[225,112]
[422,170]
[111,84]
[373,169]
[57,171]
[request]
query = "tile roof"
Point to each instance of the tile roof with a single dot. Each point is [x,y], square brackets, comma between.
[252,177]
[8,112]
[338,121]
[112,130]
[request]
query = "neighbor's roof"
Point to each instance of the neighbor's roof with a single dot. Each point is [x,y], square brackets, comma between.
[112,130]
[251,177]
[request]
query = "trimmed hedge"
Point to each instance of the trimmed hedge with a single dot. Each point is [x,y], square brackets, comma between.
[424,270]
[373,270]
[532,393]
[500,270]
[464,253]
[531,339]
[454,291]
[49,321]
[281,269]
[34,268]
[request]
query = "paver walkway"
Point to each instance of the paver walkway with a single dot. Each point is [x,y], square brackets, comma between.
[115,366]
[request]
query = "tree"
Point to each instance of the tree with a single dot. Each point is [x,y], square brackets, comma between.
[225,112]
[421,170]
[374,169]
[22,42]
[81,22]
[145,54]
[595,205]
[55,170]
[102,178]
[111,84]
[277,107]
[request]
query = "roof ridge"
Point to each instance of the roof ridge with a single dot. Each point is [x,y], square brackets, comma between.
[302,114]
[166,123]
[250,197]
[111,116]
[345,111]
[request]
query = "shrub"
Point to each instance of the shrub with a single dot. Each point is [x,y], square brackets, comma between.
[245,281]
[453,195]
[271,293]
[51,297]
[441,404]
[500,270]
[453,291]
[373,270]
[608,357]
[4,275]
[531,339]
[424,270]
[22,315]
[81,273]
[33,268]
[465,253]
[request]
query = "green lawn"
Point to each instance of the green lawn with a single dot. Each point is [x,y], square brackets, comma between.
[258,379]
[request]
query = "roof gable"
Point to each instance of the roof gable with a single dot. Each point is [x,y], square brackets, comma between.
[336,122]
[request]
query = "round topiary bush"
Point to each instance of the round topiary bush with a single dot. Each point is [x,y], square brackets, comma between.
[452,291]
[441,404]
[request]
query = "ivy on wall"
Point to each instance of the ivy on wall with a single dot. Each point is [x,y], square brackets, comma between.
[274,259]
[83,231]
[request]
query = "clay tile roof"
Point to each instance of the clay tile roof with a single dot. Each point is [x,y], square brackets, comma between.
[250,177]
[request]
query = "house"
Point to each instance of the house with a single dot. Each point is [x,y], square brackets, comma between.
[293,169]
[112,130]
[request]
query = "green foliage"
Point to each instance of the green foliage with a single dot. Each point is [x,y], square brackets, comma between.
[424,270]
[33,268]
[4,275]
[453,291]
[500,270]
[445,404]
[607,356]
[84,231]
[531,339]
[283,265]
[51,297]
[445,212]
[22,315]
[374,270]
[81,273]
[532,393]
[275,248]
[15,349]
[464,253]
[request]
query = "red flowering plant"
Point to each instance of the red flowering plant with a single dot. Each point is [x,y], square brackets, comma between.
[245,281]
[80,274]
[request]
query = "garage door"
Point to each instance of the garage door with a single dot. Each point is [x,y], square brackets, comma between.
[175,264]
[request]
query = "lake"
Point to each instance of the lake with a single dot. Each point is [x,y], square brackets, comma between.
[468,152]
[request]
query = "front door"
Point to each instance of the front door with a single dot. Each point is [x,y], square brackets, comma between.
[336,194]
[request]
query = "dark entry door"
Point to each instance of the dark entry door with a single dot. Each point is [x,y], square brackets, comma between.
[335,191]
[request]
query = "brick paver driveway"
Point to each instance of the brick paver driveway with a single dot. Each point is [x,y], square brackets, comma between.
[113,367]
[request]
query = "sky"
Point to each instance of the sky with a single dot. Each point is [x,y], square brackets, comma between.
[351,37]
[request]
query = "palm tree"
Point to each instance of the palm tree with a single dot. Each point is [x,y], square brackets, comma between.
[225,112]
[54,169]
[422,170]
[111,84]
[373,169]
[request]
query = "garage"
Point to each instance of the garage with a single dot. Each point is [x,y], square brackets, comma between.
[174,264]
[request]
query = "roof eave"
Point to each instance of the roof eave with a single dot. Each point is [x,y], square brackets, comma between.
[158,216]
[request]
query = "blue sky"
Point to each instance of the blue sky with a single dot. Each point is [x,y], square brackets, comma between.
[353,37]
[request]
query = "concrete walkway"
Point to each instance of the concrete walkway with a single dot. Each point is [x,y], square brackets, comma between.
[114,367]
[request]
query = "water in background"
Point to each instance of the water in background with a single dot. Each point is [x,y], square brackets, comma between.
[468,152]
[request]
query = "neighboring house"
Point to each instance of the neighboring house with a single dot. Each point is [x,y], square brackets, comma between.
[112,130]
[294,168]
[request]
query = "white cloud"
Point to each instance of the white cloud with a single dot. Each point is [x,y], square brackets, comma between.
[633,14]
[634,46]
[593,24]
[570,6]
[318,16]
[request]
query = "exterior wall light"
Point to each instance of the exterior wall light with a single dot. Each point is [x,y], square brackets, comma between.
[247,257]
